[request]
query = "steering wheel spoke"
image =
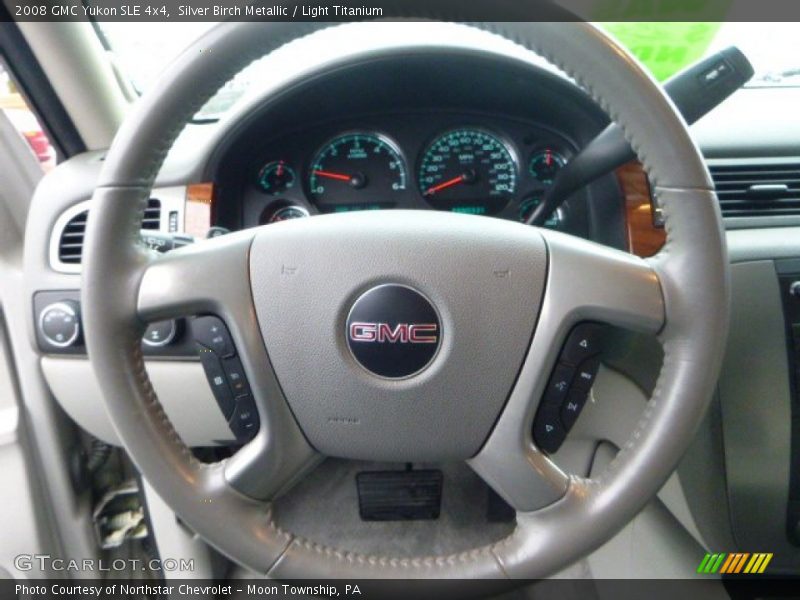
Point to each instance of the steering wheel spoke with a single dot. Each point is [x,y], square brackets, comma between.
[212,277]
[591,282]
[208,277]
[585,282]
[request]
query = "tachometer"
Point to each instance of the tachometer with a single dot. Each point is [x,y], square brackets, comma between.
[468,170]
[356,169]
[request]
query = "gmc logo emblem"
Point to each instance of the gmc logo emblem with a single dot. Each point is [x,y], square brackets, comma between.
[402,333]
[393,331]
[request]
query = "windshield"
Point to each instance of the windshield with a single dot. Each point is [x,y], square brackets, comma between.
[665,48]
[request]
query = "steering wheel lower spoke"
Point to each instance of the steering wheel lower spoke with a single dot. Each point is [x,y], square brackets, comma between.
[585,282]
[212,277]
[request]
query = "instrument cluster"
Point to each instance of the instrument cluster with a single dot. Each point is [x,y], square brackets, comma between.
[465,163]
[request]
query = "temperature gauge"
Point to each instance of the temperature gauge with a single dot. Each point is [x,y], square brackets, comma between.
[276,177]
[545,164]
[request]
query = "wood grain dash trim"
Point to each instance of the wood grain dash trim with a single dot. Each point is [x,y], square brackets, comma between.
[644,237]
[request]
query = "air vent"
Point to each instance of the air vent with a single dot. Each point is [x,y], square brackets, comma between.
[152,214]
[758,190]
[70,244]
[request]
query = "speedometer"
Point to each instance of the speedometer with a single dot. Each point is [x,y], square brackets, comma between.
[468,170]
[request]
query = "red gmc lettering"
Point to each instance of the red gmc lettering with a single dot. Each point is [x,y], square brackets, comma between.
[417,333]
[363,332]
[404,333]
[399,334]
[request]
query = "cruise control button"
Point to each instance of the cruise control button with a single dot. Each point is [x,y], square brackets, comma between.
[236,377]
[217,380]
[244,421]
[584,341]
[572,407]
[586,373]
[212,333]
[548,432]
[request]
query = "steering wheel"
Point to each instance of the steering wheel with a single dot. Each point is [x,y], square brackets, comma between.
[485,306]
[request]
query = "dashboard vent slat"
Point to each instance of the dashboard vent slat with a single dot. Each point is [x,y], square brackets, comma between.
[70,242]
[152,214]
[757,190]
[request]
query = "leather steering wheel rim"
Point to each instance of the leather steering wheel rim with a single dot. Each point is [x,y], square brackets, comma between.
[689,277]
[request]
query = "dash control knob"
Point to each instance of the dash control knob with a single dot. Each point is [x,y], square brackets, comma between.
[60,324]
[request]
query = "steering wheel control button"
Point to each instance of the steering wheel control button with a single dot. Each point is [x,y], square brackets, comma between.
[217,380]
[586,373]
[59,323]
[226,376]
[235,375]
[584,341]
[548,432]
[569,385]
[559,385]
[244,420]
[211,332]
[572,407]
[393,331]
[160,334]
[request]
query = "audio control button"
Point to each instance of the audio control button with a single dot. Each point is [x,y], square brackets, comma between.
[211,332]
[216,378]
[244,420]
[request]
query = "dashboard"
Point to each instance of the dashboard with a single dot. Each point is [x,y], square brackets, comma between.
[413,131]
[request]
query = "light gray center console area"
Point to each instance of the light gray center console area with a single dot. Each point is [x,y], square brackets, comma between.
[758,393]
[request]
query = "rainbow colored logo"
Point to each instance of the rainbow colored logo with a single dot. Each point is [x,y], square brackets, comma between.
[735,563]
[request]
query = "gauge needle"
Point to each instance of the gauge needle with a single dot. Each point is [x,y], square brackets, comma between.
[445,184]
[330,175]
